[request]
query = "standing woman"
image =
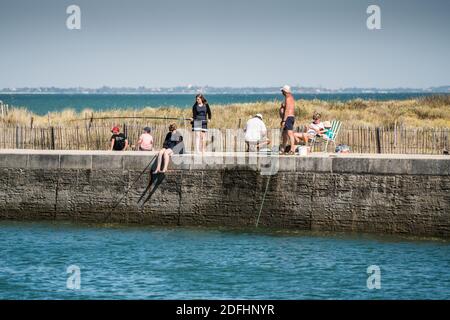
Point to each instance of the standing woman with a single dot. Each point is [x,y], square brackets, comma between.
[201,114]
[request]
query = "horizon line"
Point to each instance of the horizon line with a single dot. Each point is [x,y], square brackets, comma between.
[218,87]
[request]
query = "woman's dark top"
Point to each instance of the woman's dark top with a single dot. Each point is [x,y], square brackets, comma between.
[201,112]
[174,141]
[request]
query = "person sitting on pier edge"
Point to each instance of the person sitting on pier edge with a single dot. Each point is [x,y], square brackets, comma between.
[145,142]
[201,114]
[173,144]
[256,133]
[119,141]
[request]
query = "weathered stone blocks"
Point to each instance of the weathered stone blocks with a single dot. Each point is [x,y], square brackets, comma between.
[384,194]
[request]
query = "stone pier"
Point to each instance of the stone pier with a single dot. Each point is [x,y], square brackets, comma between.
[394,194]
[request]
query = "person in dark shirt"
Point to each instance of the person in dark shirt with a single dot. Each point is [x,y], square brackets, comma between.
[119,141]
[173,144]
[201,114]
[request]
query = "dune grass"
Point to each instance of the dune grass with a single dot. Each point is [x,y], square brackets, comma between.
[430,112]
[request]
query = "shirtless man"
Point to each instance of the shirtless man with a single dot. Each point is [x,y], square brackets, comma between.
[287,113]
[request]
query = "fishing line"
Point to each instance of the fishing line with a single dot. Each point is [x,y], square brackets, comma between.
[129,188]
[263,199]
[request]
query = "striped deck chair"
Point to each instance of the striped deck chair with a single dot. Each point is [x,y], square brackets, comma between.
[335,128]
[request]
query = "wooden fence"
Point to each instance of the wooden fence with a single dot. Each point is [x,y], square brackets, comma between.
[398,140]
[4,109]
[93,136]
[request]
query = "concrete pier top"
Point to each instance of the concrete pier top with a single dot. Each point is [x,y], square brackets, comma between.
[385,164]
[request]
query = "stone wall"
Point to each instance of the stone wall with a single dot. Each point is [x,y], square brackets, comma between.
[358,193]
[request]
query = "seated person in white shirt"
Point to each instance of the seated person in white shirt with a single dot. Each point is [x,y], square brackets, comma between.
[316,128]
[256,133]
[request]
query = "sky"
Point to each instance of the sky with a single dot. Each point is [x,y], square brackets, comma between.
[224,43]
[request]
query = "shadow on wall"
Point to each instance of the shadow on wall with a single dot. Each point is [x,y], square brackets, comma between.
[153,184]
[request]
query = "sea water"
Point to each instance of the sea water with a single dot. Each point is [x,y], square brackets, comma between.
[78,261]
[43,103]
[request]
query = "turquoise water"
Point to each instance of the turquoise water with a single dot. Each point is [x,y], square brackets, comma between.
[195,263]
[43,103]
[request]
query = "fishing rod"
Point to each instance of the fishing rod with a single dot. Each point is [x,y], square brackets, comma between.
[265,192]
[129,188]
[152,118]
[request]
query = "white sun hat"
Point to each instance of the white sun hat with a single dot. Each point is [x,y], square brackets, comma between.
[286,89]
[259,115]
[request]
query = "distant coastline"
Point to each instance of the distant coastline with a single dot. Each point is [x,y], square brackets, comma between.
[217,90]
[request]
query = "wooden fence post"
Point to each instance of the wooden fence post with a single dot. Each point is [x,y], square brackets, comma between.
[17,137]
[91,120]
[236,136]
[378,140]
[52,136]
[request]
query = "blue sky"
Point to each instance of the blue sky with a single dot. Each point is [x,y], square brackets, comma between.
[225,43]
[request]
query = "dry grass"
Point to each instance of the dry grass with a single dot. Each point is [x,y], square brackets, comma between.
[425,112]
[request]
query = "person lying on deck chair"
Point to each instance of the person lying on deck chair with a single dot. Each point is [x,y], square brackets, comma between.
[316,128]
